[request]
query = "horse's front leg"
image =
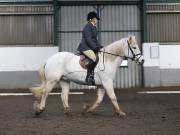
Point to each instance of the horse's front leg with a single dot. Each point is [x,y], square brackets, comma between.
[100,95]
[108,85]
[65,95]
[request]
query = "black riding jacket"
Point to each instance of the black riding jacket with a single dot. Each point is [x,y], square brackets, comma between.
[89,39]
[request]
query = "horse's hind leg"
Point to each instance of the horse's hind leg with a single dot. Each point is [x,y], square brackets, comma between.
[100,95]
[48,88]
[64,95]
[108,85]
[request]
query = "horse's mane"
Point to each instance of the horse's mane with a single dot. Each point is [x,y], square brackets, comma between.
[116,47]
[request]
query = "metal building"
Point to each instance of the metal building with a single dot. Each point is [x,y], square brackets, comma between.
[162,28]
[163,17]
[48,22]
[118,19]
[23,23]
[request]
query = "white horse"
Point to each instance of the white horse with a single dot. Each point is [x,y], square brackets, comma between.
[64,67]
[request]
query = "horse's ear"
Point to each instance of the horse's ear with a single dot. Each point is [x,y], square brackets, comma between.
[130,39]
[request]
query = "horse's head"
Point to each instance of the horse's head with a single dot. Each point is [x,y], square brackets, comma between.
[134,51]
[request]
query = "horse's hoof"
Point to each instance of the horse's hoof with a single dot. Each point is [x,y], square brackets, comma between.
[37,113]
[89,112]
[121,114]
[68,113]
[93,113]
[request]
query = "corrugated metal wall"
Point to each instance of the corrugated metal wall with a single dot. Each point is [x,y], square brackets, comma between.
[25,0]
[100,0]
[26,24]
[163,22]
[120,21]
[72,20]
[33,24]
[117,21]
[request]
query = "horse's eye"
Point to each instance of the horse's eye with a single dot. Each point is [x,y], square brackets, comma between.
[134,47]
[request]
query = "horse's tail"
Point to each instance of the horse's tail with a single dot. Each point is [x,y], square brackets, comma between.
[42,74]
[38,91]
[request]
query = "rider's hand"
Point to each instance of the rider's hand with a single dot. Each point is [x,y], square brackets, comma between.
[96,49]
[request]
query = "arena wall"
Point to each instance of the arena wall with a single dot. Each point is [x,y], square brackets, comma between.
[19,65]
[161,67]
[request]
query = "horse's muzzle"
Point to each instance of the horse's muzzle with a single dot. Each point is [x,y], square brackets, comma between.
[142,62]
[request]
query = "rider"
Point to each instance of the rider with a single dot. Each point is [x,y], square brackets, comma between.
[89,45]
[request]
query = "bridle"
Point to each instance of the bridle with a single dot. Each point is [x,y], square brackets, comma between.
[135,56]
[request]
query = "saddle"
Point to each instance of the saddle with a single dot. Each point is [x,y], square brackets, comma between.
[84,61]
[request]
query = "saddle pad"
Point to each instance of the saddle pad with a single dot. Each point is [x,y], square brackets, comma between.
[82,57]
[82,61]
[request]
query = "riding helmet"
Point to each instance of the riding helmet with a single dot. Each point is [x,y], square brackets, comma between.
[92,15]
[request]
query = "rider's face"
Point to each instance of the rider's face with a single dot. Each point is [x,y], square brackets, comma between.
[94,21]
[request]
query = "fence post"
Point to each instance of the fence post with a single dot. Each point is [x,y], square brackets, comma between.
[99,9]
[144,21]
[56,22]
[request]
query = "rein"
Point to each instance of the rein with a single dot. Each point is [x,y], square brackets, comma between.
[124,57]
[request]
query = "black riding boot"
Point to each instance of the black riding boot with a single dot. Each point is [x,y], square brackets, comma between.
[90,73]
[90,78]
